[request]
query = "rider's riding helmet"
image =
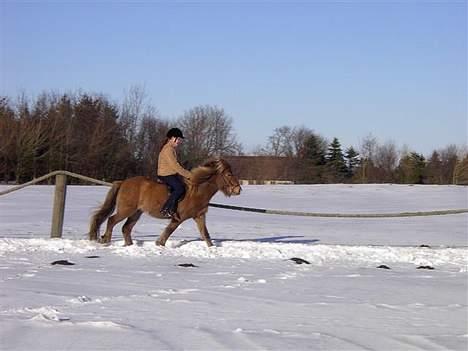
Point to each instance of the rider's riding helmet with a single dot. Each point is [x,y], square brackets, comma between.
[175,132]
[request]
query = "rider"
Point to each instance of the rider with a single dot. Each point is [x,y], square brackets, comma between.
[169,171]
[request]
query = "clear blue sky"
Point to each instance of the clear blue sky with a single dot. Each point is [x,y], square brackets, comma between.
[396,69]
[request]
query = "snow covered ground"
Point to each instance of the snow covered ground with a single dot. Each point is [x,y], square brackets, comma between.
[245,293]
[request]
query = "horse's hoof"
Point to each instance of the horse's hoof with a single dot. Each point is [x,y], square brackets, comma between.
[159,243]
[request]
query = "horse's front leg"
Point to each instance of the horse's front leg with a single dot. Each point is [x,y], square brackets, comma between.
[201,224]
[167,232]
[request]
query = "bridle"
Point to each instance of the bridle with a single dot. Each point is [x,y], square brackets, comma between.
[228,179]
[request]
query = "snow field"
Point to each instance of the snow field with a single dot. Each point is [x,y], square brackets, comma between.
[245,293]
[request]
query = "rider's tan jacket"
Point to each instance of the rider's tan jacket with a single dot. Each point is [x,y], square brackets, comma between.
[168,164]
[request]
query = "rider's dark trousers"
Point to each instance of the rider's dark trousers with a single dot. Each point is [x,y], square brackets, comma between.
[177,188]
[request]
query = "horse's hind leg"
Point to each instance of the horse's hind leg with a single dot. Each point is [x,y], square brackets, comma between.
[128,226]
[201,224]
[111,222]
[167,232]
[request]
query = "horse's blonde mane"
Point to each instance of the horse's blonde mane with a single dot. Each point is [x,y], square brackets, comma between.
[203,173]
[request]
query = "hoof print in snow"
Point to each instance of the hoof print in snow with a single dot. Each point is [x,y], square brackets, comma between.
[187,265]
[299,260]
[63,263]
[92,256]
[425,267]
[382,266]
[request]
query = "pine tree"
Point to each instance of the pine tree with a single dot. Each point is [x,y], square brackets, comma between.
[335,162]
[412,169]
[312,161]
[435,169]
[313,151]
[352,161]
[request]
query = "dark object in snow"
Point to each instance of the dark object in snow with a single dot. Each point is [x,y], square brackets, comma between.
[382,266]
[187,265]
[63,263]
[299,260]
[425,267]
[426,246]
[92,256]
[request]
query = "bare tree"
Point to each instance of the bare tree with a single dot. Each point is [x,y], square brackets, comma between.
[136,115]
[300,135]
[151,135]
[460,173]
[31,138]
[449,159]
[8,133]
[289,141]
[367,151]
[281,142]
[208,132]
[386,160]
[132,110]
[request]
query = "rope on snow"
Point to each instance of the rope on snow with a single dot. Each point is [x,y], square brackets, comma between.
[341,215]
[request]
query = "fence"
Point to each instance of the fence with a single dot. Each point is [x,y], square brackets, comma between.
[61,193]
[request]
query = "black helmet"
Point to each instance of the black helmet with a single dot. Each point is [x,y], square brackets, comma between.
[175,132]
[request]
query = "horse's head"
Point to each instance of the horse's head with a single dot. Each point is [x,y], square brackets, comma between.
[227,182]
[219,172]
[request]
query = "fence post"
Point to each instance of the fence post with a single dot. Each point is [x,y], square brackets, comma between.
[59,205]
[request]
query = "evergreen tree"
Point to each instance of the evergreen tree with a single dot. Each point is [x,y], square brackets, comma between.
[435,169]
[352,161]
[335,162]
[314,150]
[95,137]
[313,160]
[412,169]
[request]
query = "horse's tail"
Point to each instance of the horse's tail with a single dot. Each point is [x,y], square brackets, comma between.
[105,211]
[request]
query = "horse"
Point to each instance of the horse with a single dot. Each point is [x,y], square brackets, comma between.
[135,196]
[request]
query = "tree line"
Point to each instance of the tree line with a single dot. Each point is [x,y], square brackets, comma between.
[320,161]
[92,135]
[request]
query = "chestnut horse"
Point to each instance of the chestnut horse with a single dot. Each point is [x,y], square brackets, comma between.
[139,195]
